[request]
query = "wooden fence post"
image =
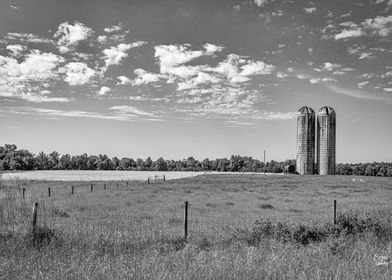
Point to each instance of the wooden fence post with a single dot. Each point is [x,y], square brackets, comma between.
[334,212]
[35,211]
[148,180]
[23,192]
[104,186]
[127,184]
[164,178]
[186,221]
[92,186]
[117,185]
[72,189]
[49,192]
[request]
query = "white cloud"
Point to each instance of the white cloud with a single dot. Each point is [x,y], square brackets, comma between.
[310,10]
[233,63]
[328,66]
[349,33]
[358,93]
[260,3]
[256,68]
[62,113]
[281,75]
[380,25]
[366,55]
[131,110]
[314,80]
[103,90]
[123,80]
[16,49]
[102,38]
[27,78]
[26,38]
[201,78]
[388,89]
[114,28]
[211,48]
[143,77]
[69,35]
[174,55]
[114,55]
[36,66]
[77,73]
[362,84]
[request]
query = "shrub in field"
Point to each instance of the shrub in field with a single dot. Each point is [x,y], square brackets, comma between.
[348,225]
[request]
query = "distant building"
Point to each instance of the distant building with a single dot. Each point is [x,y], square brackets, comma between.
[326,141]
[305,141]
[289,169]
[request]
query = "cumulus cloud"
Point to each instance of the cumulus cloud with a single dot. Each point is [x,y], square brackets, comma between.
[310,10]
[211,48]
[69,35]
[23,79]
[237,69]
[102,38]
[114,55]
[200,78]
[103,90]
[172,58]
[143,77]
[328,66]
[77,73]
[281,75]
[173,55]
[349,33]
[362,84]
[114,28]
[260,3]
[36,66]
[16,49]
[123,80]
[379,25]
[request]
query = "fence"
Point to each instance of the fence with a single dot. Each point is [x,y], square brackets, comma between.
[184,220]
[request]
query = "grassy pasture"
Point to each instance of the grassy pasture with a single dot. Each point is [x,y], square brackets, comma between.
[135,231]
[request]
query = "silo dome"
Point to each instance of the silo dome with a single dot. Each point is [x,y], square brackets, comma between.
[326,111]
[305,110]
[326,141]
[305,141]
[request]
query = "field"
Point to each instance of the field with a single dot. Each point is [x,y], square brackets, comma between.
[132,230]
[93,175]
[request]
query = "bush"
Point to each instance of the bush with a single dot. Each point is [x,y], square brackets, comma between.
[348,225]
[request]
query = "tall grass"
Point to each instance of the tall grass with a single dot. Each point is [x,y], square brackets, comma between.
[99,236]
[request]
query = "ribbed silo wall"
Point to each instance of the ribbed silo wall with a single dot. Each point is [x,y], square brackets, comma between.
[326,142]
[305,141]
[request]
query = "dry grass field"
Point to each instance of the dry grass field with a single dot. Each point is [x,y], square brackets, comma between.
[240,227]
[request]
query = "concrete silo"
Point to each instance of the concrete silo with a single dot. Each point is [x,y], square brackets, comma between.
[305,141]
[326,141]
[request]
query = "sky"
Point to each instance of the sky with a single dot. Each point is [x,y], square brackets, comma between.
[179,78]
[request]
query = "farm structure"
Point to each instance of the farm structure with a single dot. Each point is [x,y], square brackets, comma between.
[316,141]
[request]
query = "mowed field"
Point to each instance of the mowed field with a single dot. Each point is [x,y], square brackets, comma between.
[133,230]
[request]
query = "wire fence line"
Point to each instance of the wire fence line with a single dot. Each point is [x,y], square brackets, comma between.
[188,219]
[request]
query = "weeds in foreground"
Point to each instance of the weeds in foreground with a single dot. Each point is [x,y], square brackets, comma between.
[348,225]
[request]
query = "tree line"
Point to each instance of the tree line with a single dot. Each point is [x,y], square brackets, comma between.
[12,158]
